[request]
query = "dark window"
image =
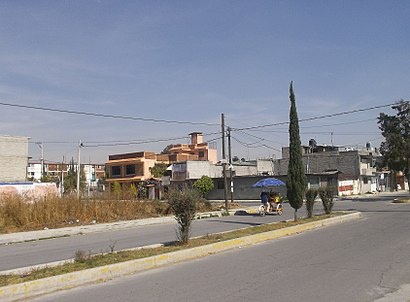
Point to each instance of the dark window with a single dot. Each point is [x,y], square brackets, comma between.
[220,185]
[139,169]
[130,170]
[201,154]
[115,171]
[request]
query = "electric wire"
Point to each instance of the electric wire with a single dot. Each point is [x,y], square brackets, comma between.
[123,117]
[316,117]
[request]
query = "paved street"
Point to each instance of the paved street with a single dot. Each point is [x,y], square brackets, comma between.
[356,261]
[45,251]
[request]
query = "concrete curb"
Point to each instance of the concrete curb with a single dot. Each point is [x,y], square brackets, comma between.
[105,273]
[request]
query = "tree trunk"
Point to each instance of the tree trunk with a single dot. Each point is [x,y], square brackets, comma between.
[408,181]
[296,215]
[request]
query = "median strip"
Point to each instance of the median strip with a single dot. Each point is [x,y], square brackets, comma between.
[114,265]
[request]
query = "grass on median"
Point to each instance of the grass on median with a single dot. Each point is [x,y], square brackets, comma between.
[121,256]
[402,200]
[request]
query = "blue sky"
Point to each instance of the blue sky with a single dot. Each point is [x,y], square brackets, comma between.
[192,61]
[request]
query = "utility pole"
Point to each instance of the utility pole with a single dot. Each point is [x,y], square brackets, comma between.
[62,178]
[80,144]
[224,163]
[41,159]
[230,162]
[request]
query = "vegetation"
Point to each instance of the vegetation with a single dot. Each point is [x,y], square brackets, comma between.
[158,170]
[85,261]
[296,181]
[396,147]
[204,185]
[311,195]
[184,206]
[326,195]
[18,213]
[70,181]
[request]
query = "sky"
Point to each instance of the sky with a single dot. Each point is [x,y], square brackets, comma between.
[173,67]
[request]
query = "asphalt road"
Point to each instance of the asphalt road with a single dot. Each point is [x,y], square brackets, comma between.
[356,261]
[46,251]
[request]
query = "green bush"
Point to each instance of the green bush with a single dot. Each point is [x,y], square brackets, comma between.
[326,195]
[183,204]
[204,185]
[311,195]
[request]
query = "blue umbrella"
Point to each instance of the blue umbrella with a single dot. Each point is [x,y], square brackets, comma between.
[268,182]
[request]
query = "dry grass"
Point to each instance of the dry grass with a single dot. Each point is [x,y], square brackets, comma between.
[101,260]
[17,213]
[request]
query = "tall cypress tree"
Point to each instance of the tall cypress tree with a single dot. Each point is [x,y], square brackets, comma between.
[296,181]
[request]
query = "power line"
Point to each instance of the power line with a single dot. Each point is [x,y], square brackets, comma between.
[282,130]
[138,142]
[316,117]
[252,145]
[123,117]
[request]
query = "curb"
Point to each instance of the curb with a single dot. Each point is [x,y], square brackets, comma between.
[101,274]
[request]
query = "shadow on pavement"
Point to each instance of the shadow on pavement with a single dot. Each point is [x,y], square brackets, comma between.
[236,222]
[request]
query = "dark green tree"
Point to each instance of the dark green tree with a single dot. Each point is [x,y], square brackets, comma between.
[204,185]
[311,195]
[296,181]
[70,181]
[396,147]
[158,170]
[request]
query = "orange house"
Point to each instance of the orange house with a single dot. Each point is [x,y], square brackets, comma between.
[130,167]
[135,167]
[197,150]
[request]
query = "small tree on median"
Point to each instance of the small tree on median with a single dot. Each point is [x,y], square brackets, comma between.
[183,205]
[326,195]
[311,195]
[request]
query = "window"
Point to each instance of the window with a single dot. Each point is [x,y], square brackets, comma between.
[115,171]
[130,170]
[220,185]
[201,154]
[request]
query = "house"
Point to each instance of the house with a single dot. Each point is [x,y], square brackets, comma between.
[133,168]
[50,169]
[356,167]
[130,168]
[13,158]
[92,172]
[245,173]
[196,150]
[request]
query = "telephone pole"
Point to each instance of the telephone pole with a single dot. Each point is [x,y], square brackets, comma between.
[80,144]
[41,159]
[230,162]
[224,163]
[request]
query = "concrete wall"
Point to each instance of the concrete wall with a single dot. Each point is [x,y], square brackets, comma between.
[29,189]
[242,188]
[346,162]
[13,158]
[265,166]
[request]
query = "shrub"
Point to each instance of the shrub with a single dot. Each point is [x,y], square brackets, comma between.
[326,195]
[116,190]
[311,195]
[183,205]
